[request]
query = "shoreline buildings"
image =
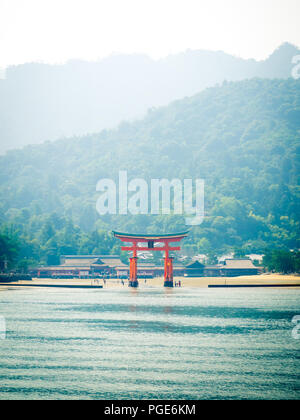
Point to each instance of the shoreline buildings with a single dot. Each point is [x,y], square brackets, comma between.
[86,266]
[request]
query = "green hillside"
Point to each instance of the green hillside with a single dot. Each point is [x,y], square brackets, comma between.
[242,138]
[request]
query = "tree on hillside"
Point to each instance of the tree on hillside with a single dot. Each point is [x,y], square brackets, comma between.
[282,261]
[8,251]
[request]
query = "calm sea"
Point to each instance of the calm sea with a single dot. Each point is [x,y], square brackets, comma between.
[149,344]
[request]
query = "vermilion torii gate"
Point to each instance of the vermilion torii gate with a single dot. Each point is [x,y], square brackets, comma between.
[150,240]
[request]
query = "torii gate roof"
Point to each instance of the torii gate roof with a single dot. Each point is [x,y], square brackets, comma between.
[153,237]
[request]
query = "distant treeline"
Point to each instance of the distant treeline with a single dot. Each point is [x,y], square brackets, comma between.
[17,254]
[55,237]
[281,261]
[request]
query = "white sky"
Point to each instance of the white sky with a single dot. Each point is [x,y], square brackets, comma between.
[54,31]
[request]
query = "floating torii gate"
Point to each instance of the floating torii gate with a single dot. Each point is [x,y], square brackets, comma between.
[150,240]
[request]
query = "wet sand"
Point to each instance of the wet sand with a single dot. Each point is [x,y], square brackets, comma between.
[274,279]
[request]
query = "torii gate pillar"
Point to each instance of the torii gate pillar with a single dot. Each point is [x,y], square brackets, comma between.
[133,281]
[168,272]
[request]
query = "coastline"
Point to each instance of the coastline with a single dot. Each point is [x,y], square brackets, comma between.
[269,280]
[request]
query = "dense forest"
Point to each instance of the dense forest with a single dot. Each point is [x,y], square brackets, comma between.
[242,138]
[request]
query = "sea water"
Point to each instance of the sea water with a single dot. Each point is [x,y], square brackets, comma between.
[149,343]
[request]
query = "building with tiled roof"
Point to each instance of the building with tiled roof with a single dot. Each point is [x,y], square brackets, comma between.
[98,265]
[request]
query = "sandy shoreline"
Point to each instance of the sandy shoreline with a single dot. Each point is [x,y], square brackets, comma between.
[198,282]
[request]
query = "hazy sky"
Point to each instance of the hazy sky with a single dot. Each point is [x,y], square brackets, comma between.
[57,30]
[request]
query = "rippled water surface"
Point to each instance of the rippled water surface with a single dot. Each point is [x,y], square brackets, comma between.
[149,344]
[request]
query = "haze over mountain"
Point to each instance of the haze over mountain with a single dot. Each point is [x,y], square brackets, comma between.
[40,102]
[242,138]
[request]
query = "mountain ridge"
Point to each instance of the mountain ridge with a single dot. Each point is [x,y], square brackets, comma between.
[40,102]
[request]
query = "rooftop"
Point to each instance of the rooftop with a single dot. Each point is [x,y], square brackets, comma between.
[238,263]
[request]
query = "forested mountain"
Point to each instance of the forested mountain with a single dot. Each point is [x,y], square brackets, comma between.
[242,138]
[40,102]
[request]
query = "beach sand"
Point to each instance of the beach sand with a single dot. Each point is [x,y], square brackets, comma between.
[204,282]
